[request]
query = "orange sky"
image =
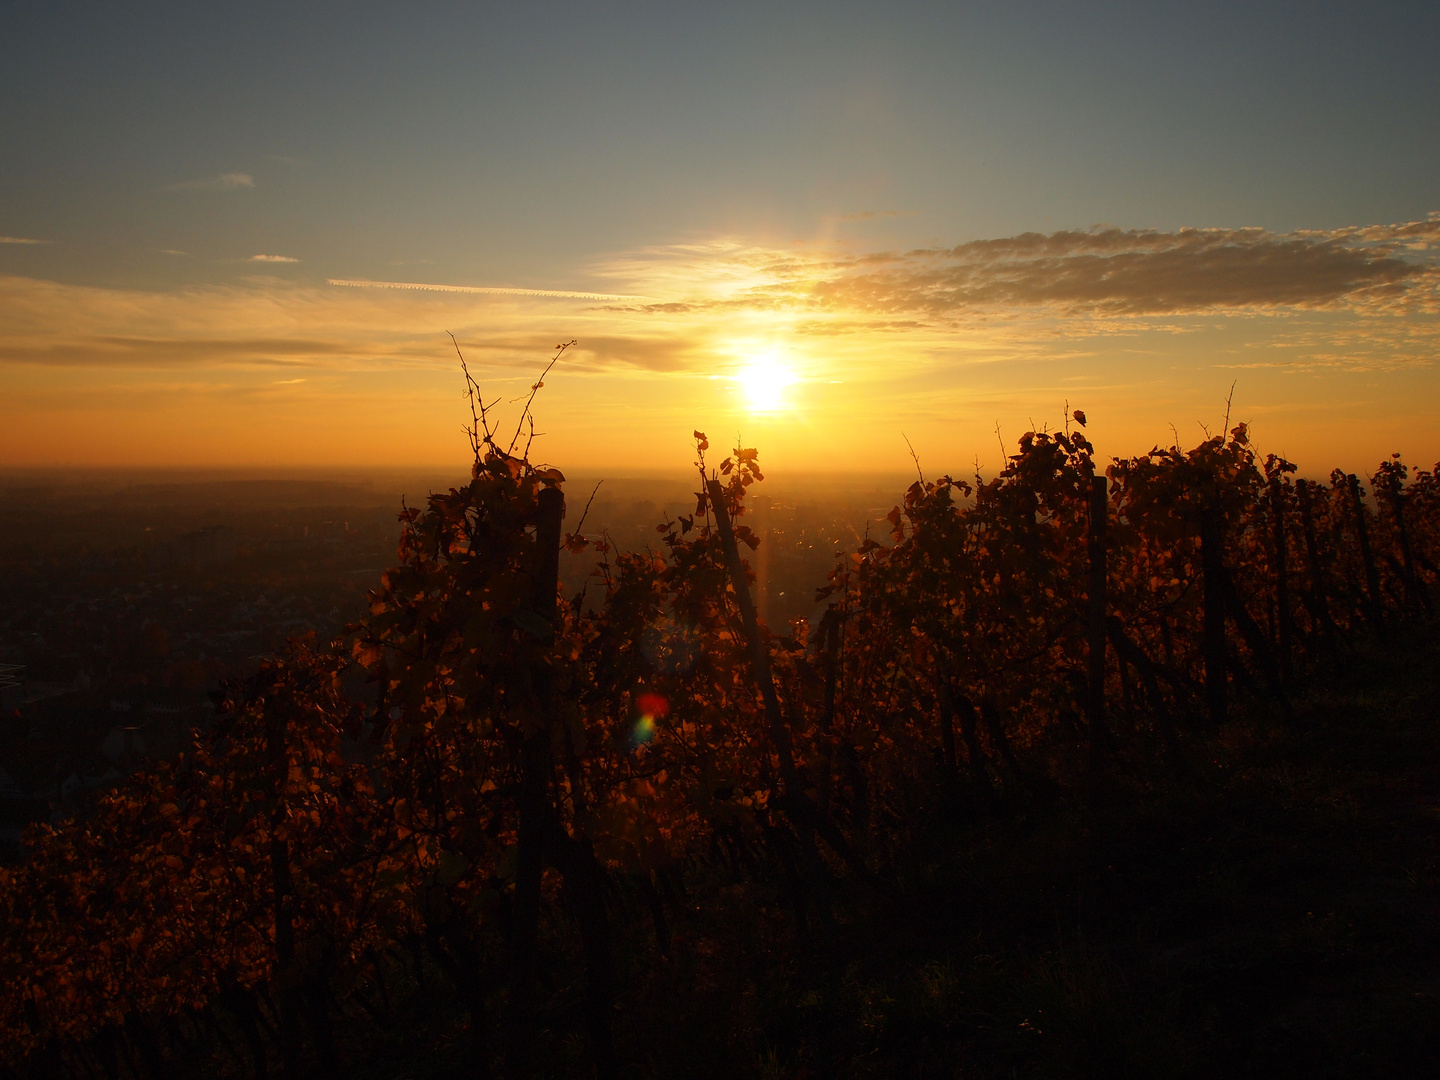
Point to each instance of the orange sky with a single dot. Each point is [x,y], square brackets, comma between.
[884,209]
[1329,337]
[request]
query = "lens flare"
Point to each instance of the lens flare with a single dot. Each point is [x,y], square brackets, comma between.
[652,704]
[649,705]
[643,731]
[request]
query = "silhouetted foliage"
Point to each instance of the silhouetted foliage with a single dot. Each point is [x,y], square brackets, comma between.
[537,775]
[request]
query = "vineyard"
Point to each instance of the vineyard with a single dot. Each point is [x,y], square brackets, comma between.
[636,831]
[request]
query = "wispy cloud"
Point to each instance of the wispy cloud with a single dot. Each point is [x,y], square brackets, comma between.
[21,240]
[1146,272]
[230,181]
[704,307]
[483,290]
[1145,326]
[1104,271]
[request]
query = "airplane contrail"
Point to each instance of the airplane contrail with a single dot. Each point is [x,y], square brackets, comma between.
[554,294]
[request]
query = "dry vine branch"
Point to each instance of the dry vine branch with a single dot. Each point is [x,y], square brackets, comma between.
[535,389]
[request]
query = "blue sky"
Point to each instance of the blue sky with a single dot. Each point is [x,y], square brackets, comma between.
[521,140]
[155,149]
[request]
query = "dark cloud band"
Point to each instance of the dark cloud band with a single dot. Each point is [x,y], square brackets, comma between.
[1140,272]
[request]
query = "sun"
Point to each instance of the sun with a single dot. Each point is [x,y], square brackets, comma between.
[764,381]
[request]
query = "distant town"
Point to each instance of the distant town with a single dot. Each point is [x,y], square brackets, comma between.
[124,606]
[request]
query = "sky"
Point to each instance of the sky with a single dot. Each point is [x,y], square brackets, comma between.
[241,234]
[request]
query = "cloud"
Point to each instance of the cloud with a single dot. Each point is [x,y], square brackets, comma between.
[704,307]
[1131,272]
[184,350]
[492,290]
[1138,326]
[598,352]
[21,240]
[271,323]
[230,181]
[1100,272]
[657,354]
[1128,272]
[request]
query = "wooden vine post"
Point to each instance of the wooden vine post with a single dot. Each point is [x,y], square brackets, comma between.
[830,628]
[759,655]
[948,754]
[1417,597]
[1372,576]
[533,799]
[791,792]
[1100,742]
[1319,603]
[1212,536]
[1282,578]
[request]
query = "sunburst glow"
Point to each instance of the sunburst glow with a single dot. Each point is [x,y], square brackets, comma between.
[764,382]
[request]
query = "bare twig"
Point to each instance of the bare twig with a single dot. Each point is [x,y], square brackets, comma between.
[914,456]
[479,430]
[535,389]
[579,525]
[530,438]
[604,565]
